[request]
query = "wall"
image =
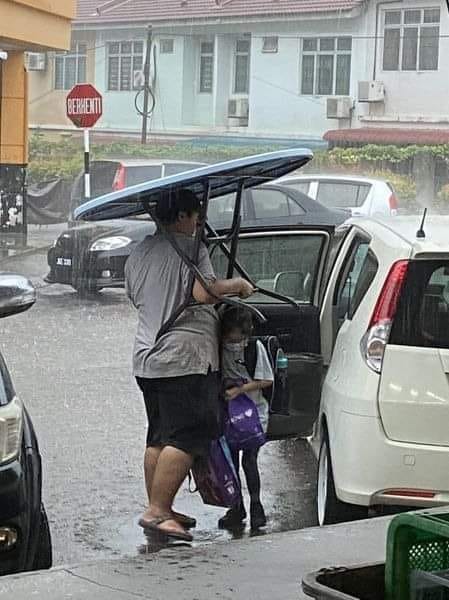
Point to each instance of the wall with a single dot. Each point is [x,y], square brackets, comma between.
[276,104]
[413,98]
[47,105]
[13,112]
[37,23]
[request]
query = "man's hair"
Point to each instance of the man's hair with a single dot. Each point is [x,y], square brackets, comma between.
[237,318]
[171,203]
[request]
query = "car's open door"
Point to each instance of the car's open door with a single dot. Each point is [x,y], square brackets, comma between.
[289,261]
[285,264]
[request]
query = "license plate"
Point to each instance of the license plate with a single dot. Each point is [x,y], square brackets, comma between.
[64,262]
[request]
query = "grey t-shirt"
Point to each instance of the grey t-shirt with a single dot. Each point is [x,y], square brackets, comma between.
[157,284]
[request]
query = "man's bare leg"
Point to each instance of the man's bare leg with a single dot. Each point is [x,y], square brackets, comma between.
[149,464]
[171,470]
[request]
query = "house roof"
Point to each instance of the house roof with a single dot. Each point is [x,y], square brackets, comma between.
[113,11]
[383,135]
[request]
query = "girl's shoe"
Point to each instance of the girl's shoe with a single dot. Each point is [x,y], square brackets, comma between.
[233,518]
[258,518]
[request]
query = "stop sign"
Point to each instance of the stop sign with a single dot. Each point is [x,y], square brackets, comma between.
[84,105]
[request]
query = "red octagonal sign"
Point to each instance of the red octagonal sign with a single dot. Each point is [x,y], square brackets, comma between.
[84,105]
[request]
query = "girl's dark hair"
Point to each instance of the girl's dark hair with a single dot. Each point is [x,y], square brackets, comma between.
[237,318]
[170,204]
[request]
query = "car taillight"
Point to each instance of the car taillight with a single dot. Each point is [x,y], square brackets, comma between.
[376,338]
[119,182]
[394,202]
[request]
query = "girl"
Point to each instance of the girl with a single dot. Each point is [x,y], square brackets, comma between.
[237,328]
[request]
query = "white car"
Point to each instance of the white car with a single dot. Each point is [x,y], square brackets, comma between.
[361,195]
[382,435]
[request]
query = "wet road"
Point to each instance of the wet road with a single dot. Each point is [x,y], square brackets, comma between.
[70,361]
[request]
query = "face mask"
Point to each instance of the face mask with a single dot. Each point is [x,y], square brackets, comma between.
[235,347]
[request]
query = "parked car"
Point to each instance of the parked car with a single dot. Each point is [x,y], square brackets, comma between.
[381,434]
[25,540]
[361,195]
[92,256]
[362,312]
[111,175]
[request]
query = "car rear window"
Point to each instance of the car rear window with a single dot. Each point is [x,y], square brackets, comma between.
[136,175]
[175,168]
[300,186]
[423,312]
[341,194]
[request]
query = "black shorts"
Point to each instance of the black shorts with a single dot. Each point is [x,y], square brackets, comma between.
[183,412]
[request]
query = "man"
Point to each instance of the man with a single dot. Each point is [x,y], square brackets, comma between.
[177,372]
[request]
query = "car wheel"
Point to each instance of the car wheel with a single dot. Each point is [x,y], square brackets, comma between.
[44,554]
[329,508]
[84,287]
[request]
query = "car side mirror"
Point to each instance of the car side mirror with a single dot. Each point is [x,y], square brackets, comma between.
[290,283]
[17,294]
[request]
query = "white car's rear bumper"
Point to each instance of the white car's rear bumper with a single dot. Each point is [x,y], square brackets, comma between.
[371,470]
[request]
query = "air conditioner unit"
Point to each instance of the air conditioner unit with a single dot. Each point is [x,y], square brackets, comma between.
[36,61]
[138,79]
[371,91]
[339,107]
[238,108]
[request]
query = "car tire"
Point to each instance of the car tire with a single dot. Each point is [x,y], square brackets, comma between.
[44,554]
[330,509]
[84,287]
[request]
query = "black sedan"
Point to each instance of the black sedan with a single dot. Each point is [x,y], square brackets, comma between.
[25,541]
[92,256]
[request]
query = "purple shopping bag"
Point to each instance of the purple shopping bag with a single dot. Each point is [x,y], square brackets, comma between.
[243,429]
[215,476]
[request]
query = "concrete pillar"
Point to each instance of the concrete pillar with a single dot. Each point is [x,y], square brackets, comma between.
[13,150]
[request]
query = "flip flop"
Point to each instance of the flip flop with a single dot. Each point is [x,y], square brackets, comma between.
[154,525]
[184,520]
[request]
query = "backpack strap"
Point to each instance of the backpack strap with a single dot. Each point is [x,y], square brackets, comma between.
[251,357]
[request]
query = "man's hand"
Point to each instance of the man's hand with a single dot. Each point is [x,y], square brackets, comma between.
[246,289]
[232,393]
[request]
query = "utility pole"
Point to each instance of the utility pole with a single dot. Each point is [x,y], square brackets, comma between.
[146,92]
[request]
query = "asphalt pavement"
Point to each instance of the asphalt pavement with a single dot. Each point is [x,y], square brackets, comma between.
[71,363]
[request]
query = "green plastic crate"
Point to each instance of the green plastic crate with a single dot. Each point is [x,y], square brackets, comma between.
[416,542]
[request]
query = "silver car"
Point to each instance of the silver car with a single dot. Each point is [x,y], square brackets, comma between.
[361,195]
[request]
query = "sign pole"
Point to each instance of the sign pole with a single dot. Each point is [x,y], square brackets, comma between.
[86,164]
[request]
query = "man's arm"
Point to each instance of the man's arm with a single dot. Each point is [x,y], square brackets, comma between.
[222,287]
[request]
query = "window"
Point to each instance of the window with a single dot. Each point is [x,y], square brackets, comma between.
[422,319]
[167,46]
[136,175]
[340,194]
[270,204]
[326,66]
[411,40]
[287,264]
[206,67]
[362,267]
[270,44]
[242,66]
[124,60]
[70,67]
[300,186]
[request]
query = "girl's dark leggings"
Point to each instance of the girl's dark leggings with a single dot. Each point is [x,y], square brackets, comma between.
[251,470]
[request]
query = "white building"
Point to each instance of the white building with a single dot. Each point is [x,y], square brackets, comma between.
[265,68]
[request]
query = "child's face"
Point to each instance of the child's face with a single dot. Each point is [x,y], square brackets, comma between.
[234,336]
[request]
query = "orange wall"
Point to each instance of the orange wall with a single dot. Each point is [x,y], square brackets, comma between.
[35,24]
[14,117]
